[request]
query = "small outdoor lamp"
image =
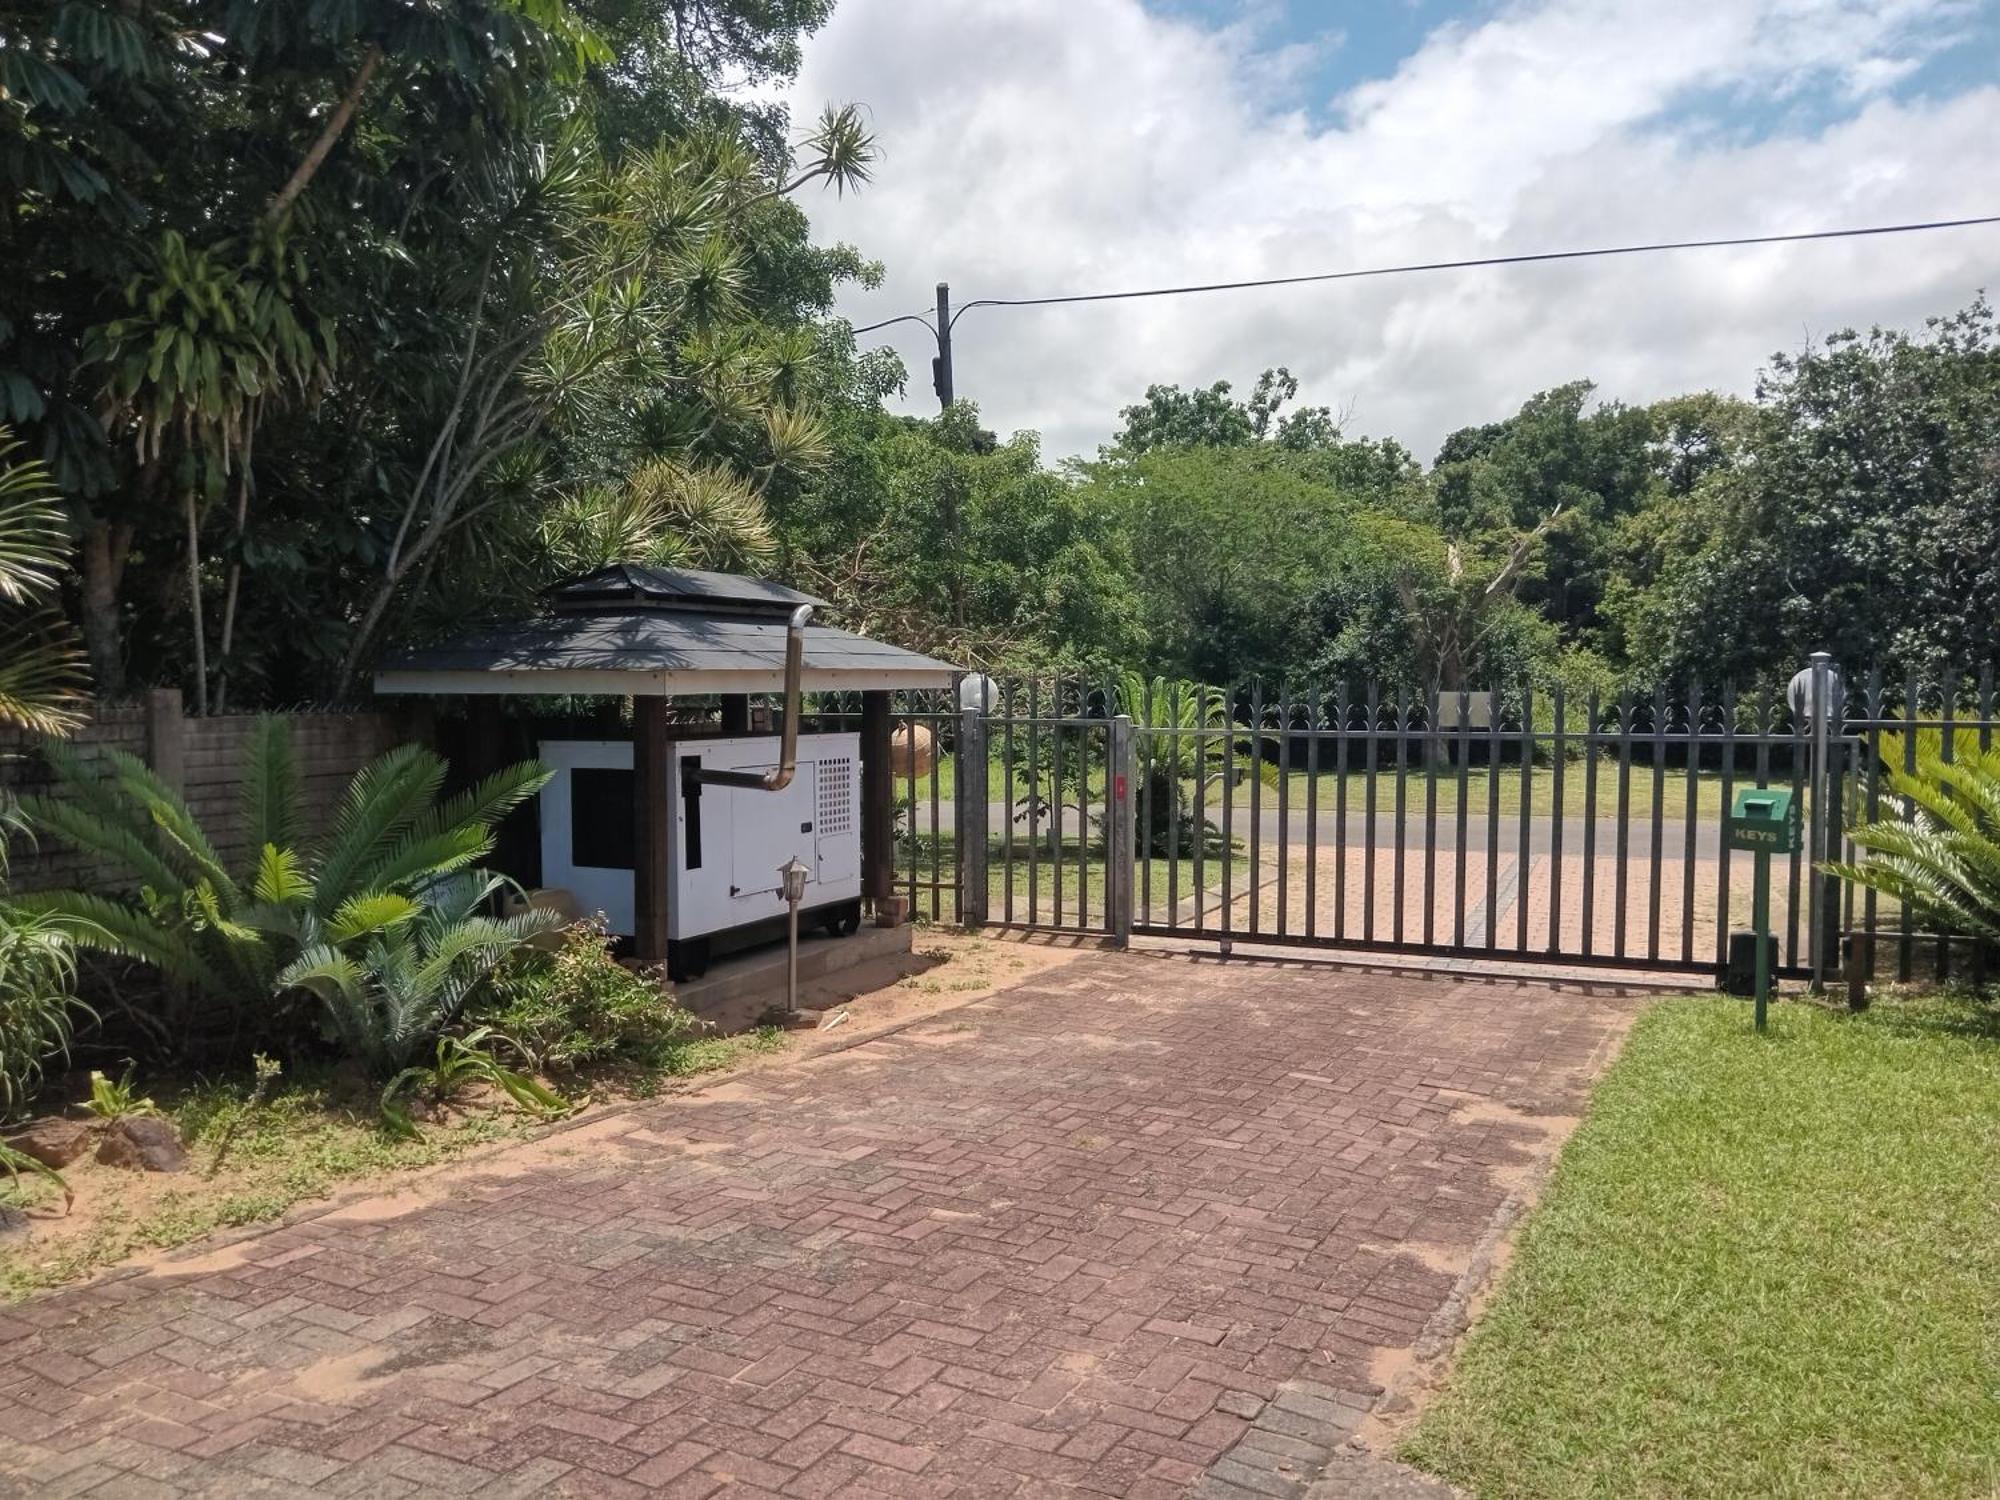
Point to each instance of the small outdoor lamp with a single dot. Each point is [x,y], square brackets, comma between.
[792,881]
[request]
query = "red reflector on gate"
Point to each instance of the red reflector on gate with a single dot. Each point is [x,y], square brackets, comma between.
[1118,787]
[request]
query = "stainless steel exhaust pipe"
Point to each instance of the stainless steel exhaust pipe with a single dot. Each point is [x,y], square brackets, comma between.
[779,776]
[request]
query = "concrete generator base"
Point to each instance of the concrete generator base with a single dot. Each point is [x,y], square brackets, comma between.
[734,993]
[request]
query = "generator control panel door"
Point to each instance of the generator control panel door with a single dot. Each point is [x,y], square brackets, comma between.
[767,830]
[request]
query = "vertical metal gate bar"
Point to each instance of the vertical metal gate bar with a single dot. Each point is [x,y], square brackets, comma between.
[1870,799]
[1492,818]
[1460,852]
[1728,801]
[1795,860]
[1620,880]
[911,725]
[1591,710]
[1315,708]
[1007,801]
[1201,810]
[1121,821]
[1175,759]
[1692,770]
[1402,801]
[1558,757]
[1430,752]
[1948,746]
[937,820]
[1905,932]
[1228,913]
[970,816]
[1340,814]
[1256,800]
[1657,824]
[1035,799]
[1368,818]
[1083,807]
[1142,802]
[1524,851]
[1284,808]
[1059,811]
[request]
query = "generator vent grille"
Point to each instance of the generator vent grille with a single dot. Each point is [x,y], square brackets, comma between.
[834,812]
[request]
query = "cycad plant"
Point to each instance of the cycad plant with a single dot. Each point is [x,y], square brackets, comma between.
[388,995]
[1939,851]
[220,935]
[1183,728]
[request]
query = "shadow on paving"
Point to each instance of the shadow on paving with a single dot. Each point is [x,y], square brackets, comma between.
[1137,1227]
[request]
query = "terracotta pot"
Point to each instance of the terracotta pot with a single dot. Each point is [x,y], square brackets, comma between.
[910,750]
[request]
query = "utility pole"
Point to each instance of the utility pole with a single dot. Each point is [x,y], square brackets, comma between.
[941,364]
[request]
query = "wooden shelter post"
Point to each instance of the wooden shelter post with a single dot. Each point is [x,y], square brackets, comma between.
[878,829]
[652,808]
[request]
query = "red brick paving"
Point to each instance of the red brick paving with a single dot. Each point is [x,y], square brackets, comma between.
[1069,1239]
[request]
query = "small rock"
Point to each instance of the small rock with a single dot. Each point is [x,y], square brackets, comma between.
[52,1142]
[143,1143]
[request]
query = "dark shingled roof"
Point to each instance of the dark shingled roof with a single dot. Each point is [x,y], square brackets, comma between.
[631,629]
[636,586]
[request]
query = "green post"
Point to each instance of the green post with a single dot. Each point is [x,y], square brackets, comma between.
[1764,821]
[1760,920]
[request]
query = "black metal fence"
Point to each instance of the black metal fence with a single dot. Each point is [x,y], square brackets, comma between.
[1516,824]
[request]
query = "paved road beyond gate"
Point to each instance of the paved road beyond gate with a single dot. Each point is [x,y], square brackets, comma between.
[1509,824]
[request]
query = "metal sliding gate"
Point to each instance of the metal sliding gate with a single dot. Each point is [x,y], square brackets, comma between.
[1497,825]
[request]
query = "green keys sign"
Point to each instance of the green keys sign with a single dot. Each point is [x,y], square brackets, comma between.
[1765,820]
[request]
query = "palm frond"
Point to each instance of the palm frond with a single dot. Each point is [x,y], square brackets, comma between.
[270,796]
[382,801]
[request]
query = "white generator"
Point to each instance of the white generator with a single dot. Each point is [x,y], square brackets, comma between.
[726,844]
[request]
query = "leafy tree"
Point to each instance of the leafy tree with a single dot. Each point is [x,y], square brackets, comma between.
[936,533]
[1863,518]
[1552,459]
[1407,606]
[1227,545]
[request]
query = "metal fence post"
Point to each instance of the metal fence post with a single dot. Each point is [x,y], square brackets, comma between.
[1821,913]
[970,816]
[1121,836]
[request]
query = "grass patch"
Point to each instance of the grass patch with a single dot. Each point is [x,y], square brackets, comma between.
[1764,1267]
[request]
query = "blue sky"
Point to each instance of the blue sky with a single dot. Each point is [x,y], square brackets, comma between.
[1047,146]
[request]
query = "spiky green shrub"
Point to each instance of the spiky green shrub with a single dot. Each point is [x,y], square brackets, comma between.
[392,993]
[37,971]
[220,936]
[1938,849]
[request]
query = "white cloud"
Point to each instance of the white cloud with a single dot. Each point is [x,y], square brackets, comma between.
[1044,146]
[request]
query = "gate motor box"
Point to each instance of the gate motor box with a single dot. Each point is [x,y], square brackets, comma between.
[725,845]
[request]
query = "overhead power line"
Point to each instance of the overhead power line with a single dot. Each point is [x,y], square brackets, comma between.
[947,320]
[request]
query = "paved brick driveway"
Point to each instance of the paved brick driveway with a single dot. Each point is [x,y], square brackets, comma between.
[1139,1227]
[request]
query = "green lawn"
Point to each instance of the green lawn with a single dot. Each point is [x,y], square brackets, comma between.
[1765,1267]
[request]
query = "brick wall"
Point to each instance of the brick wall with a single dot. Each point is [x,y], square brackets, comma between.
[204,757]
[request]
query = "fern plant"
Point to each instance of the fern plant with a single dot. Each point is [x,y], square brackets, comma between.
[388,996]
[1939,851]
[221,935]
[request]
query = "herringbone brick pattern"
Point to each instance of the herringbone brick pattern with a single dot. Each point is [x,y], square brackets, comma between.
[1070,1239]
